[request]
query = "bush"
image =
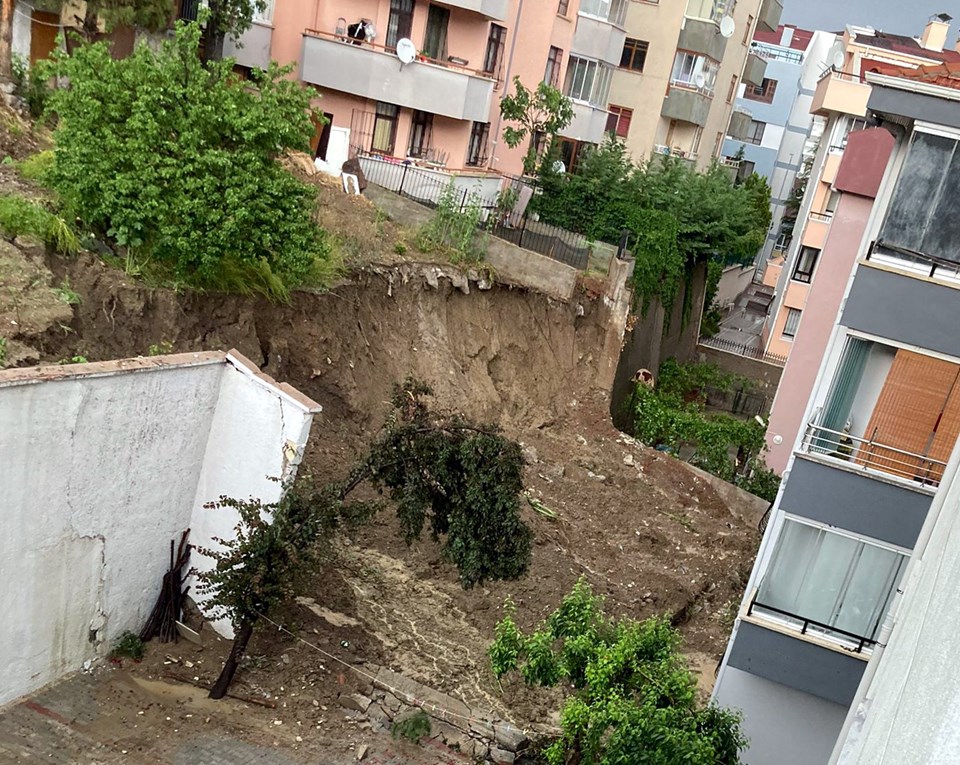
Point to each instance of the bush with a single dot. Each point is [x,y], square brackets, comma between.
[177,161]
[634,698]
[19,217]
[127,646]
[454,230]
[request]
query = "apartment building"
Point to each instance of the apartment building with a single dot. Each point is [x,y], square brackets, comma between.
[673,91]
[795,264]
[882,420]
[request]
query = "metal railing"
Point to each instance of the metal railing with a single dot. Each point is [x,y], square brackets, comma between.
[868,454]
[741,349]
[775,53]
[806,623]
[821,217]
[426,187]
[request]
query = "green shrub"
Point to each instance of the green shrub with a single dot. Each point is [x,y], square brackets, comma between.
[412,727]
[454,229]
[19,217]
[31,83]
[3,352]
[177,162]
[127,646]
[37,167]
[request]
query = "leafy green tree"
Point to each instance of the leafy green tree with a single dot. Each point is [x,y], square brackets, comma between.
[634,698]
[465,479]
[543,111]
[177,162]
[227,18]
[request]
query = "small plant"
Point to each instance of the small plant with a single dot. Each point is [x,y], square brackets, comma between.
[400,249]
[505,203]
[37,166]
[160,349]
[67,294]
[19,216]
[413,727]
[455,227]
[73,360]
[31,84]
[3,352]
[127,646]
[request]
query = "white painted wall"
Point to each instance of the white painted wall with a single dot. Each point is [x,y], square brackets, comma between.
[102,465]
[21,30]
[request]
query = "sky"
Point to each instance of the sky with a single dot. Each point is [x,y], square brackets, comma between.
[906,17]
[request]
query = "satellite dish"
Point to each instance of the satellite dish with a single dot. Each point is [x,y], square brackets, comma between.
[836,56]
[700,80]
[406,50]
[727,27]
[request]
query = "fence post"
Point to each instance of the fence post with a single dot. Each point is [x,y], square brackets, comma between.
[403,178]
[523,228]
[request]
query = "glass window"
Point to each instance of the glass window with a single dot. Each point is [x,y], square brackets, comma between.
[493,58]
[618,121]
[693,71]
[610,10]
[764,92]
[385,128]
[421,133]
[562,7]
[477,150]
[634,54]
[400,23]
[805,264]
[435,38]
[587,80]
[792,324]
[840,582]
[551,74]
[755,132]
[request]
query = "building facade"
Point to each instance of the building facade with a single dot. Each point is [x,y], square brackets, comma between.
[793,265]
[882,421]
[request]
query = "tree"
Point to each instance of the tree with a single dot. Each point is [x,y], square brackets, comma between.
[177,162]
[634,698]
[227,17]
[545,111]
[465,478]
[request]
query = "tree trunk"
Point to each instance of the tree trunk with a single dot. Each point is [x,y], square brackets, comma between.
[214,34]
[240,641]
[6,39]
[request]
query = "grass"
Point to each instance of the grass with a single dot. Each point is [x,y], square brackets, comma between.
[22,217]
[3,352]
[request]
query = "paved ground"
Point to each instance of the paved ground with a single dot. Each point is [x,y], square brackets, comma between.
[76,723]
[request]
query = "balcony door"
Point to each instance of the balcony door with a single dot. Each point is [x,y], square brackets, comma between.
[400,24]
[435,38]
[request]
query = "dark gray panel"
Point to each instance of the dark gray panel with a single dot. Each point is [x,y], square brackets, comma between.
[905,309]
[914,105]
[796,663]
[854,502]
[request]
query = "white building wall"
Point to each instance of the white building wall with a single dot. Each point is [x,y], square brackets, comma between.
[100,467]
[21,30]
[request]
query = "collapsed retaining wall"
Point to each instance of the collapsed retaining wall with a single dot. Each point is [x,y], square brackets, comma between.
[104,464]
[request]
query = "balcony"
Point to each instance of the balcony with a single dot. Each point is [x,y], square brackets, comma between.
[816,230]
[842,93]
[700,36]
[589,123]
[831,165]
[598,39]
[740,121]
[254,46]
[372,71]
[770,13]
[491,9]
[687,104]
[755,69]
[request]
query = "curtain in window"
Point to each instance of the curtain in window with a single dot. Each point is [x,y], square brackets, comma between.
[832,579]
[846,383]
[400,22]
[435,39]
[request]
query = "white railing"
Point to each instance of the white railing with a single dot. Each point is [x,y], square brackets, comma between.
[730,162]
[868,454]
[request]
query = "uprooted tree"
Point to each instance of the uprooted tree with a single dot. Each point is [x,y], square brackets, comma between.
[462,478]
[635,700]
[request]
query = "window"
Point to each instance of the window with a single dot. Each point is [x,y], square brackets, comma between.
[733,89]
[755,132]
[805,264]
[832,201]
[587,80]
[718,144]
[551,74]
[693,71]
[435,38]
[477,149]
[400,23]
[792,323]
[924,214]
[746,32]
[848,126]
[839,581]
[385,128]
[562,7]
[634,54]
[618,121]
[764,92]
[609,10]
[570,152]
[697,137]
[746,169]
[493,58]
[421,133]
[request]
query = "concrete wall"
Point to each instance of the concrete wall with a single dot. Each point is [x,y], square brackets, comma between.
[104,464]
[807,740]
[765,376]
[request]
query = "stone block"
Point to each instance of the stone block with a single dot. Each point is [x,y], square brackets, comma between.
[355,701]
[509,737]
[502,757]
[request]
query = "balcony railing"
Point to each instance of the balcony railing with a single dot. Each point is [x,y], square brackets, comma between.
[868,454]
[819,628]
[741,349]
[821,217]
[774,53]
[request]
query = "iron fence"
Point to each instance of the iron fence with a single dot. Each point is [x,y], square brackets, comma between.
[741,401]
[741,349]
[426,186]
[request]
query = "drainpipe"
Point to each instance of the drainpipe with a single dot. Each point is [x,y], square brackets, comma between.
[506,84]
[860,707]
